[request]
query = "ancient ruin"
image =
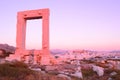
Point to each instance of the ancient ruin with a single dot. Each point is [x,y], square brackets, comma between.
[42,55]
[76,64]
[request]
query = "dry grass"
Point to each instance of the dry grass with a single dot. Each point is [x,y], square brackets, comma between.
[14,71]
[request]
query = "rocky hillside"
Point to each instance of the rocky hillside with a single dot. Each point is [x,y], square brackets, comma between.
[7,48]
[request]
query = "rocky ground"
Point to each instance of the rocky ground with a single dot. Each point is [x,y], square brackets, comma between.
[84,70]
[97,68]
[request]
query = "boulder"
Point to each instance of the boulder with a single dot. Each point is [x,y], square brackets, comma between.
[64,76]
[113,73]
[110,78]
[99,70]
[36,69]
[77,74]
[43,72]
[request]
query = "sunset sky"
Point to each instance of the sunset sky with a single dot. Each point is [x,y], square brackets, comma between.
[74,24]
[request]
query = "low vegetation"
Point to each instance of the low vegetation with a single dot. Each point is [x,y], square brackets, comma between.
[14,71]
[88,73]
